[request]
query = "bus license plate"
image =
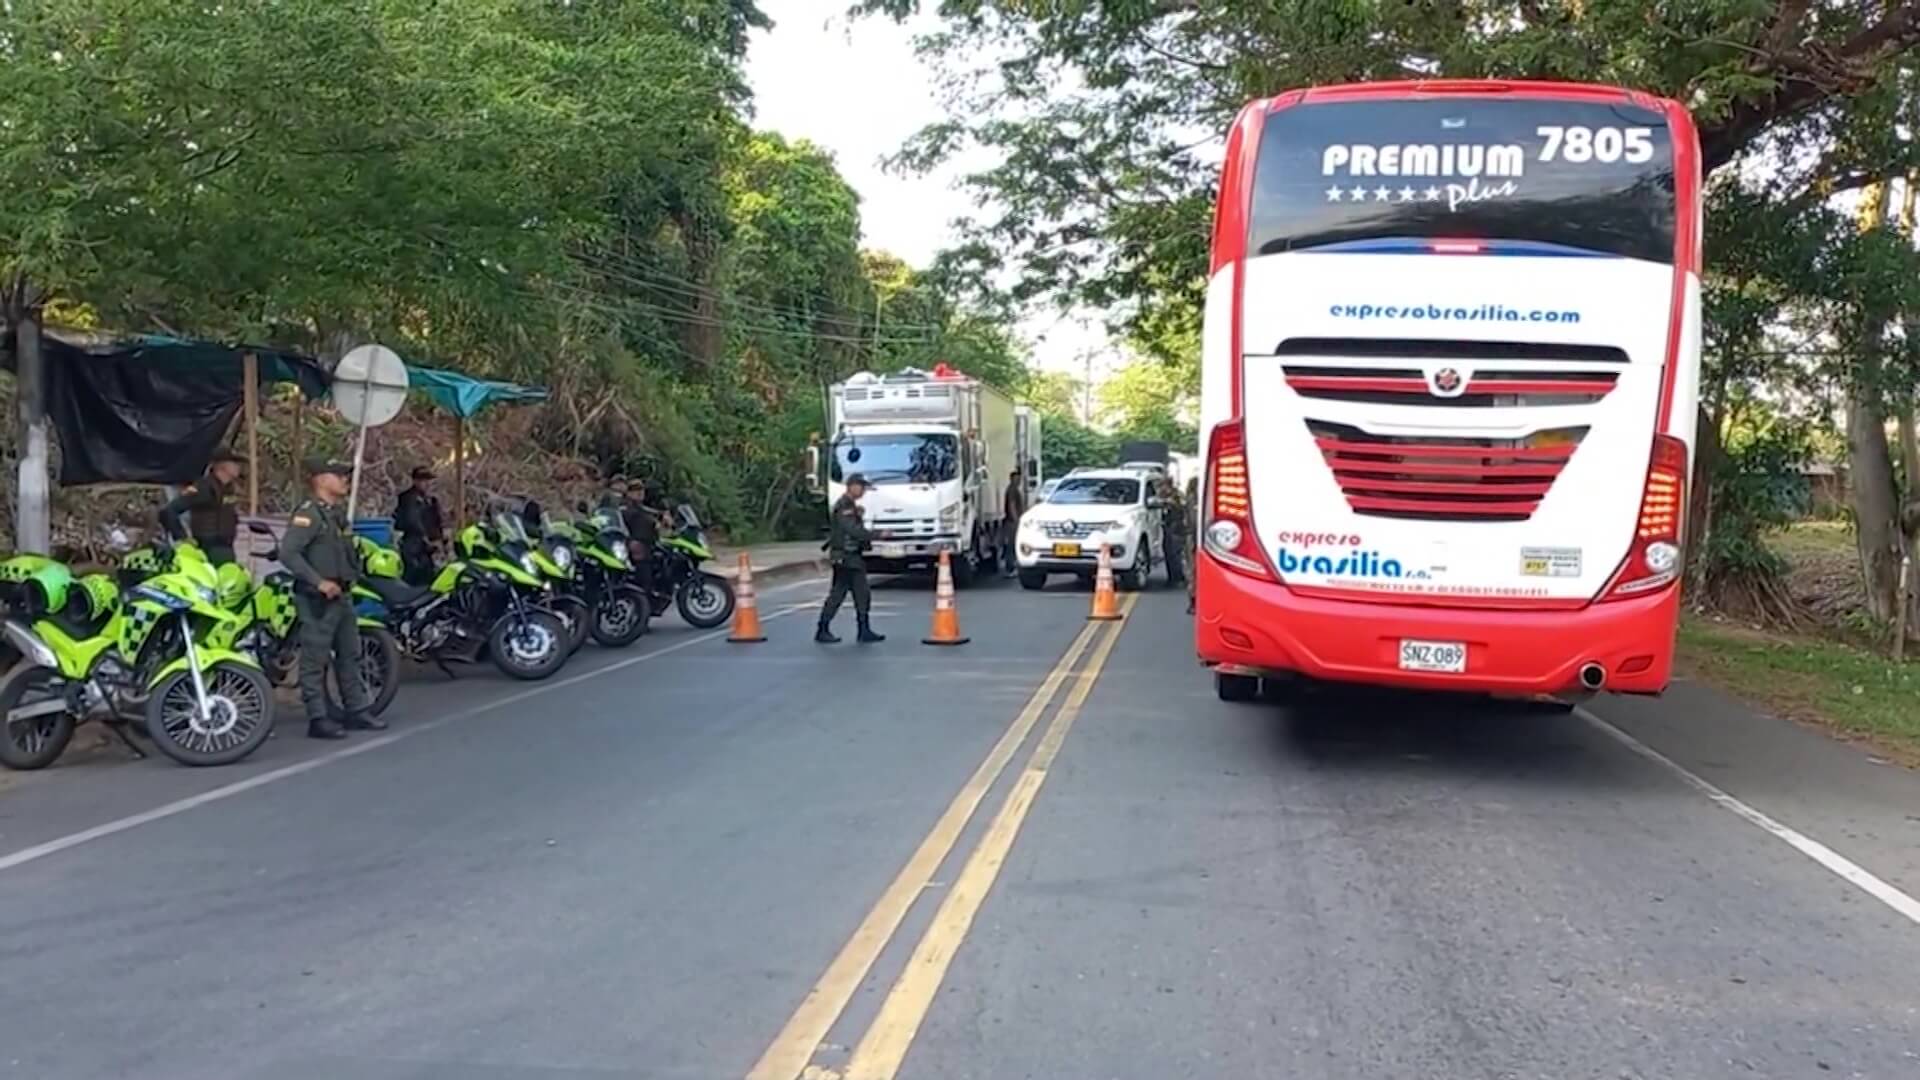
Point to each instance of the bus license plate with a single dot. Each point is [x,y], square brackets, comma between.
[1067,551]
[1448,656]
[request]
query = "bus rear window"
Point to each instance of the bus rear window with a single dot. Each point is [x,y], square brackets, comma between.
[1592,176]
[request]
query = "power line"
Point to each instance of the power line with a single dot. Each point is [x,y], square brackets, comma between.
[616,306]
[624,268]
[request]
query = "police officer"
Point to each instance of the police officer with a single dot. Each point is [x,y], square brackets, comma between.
[846,547]
[318,551]
[1173,533]
[417,518]
[1012,509]
[211,508]
[643,531]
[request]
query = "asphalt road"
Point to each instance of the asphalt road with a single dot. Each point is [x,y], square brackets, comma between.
[1049,853]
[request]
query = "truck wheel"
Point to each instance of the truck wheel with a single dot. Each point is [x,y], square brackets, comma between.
[1236,688]
[1033,580]
[963,568]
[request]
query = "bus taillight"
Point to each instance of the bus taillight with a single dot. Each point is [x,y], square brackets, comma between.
[1229,533]
[1654,560]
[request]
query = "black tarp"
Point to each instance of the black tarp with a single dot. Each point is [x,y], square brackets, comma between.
[153,409]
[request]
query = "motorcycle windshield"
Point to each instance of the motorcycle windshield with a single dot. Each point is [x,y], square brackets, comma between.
[511,527]
[609,520]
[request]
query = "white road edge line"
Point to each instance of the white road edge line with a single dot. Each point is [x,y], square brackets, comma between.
[181,806]
[1843,867]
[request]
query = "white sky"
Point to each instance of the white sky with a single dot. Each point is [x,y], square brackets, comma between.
[856,88]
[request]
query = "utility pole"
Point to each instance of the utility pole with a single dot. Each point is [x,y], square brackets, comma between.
[1086,388]
[32,520]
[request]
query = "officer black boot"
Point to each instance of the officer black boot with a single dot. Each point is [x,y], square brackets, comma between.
[365,721]
[867,636]
[325,728]
[825,635]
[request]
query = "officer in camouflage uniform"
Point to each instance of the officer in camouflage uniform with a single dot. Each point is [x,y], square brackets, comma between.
[846,547]
[318,551]
[212,518]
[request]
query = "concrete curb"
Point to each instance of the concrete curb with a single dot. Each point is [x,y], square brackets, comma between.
[779,571]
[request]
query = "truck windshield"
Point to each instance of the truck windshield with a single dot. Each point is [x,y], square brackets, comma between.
[1105,491]
[897,459]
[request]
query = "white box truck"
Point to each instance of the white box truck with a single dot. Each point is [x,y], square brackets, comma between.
[937,449]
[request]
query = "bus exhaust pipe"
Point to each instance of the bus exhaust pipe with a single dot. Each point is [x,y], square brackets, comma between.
[1592,676]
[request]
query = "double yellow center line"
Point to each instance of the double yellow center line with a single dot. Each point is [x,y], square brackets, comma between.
[880,1051]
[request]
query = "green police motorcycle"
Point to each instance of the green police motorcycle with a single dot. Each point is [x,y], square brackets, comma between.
[507,540]
[268,629]
[595,550]
[478,606]
[143,655]
[705,599]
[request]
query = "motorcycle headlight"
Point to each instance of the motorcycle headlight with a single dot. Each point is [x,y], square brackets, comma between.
[527,564]
[207,595]
[563,557]
[621,552]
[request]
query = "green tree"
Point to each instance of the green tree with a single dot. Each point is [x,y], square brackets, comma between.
[1150,400]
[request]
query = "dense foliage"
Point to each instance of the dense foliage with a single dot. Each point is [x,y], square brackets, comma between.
[568,194]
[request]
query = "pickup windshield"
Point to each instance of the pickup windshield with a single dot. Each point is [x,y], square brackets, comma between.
[1103,491]
[897,459]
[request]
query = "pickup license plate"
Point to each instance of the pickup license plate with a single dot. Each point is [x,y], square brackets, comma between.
[889,551]
[1447,656]
[1067,551]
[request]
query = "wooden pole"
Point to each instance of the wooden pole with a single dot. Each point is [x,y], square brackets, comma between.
[299,418]
[33,513]
[250,373]
[459,472]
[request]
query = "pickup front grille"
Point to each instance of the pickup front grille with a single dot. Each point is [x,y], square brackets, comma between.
[1072,530]
[1444,478]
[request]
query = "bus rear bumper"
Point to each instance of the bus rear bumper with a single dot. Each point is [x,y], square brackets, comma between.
[1250,626]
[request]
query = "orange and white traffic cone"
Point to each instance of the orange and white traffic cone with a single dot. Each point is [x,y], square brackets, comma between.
[1106,602]
[946,620]
[746,609]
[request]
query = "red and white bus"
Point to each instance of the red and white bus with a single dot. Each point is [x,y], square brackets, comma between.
[1450,364]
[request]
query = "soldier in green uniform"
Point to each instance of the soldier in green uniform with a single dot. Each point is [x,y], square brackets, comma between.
[209,503]
[846,547]
[318,551]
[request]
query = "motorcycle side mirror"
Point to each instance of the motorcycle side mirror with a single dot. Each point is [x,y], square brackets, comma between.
[813,470]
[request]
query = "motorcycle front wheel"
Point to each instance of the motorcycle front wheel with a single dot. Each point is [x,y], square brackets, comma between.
[620,618]
[531,645]
[37,738]
[379,672]
[705,601]
[573,612]
[239,715]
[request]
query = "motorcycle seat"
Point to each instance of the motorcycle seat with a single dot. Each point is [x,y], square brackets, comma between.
[396,593]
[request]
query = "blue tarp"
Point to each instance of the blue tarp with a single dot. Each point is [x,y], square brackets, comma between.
[466,396]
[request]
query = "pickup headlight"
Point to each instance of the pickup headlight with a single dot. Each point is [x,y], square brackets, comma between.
[949,517]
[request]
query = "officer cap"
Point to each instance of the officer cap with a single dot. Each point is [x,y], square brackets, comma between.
[227,454]
[421,472]
[316,466]
[857,478]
